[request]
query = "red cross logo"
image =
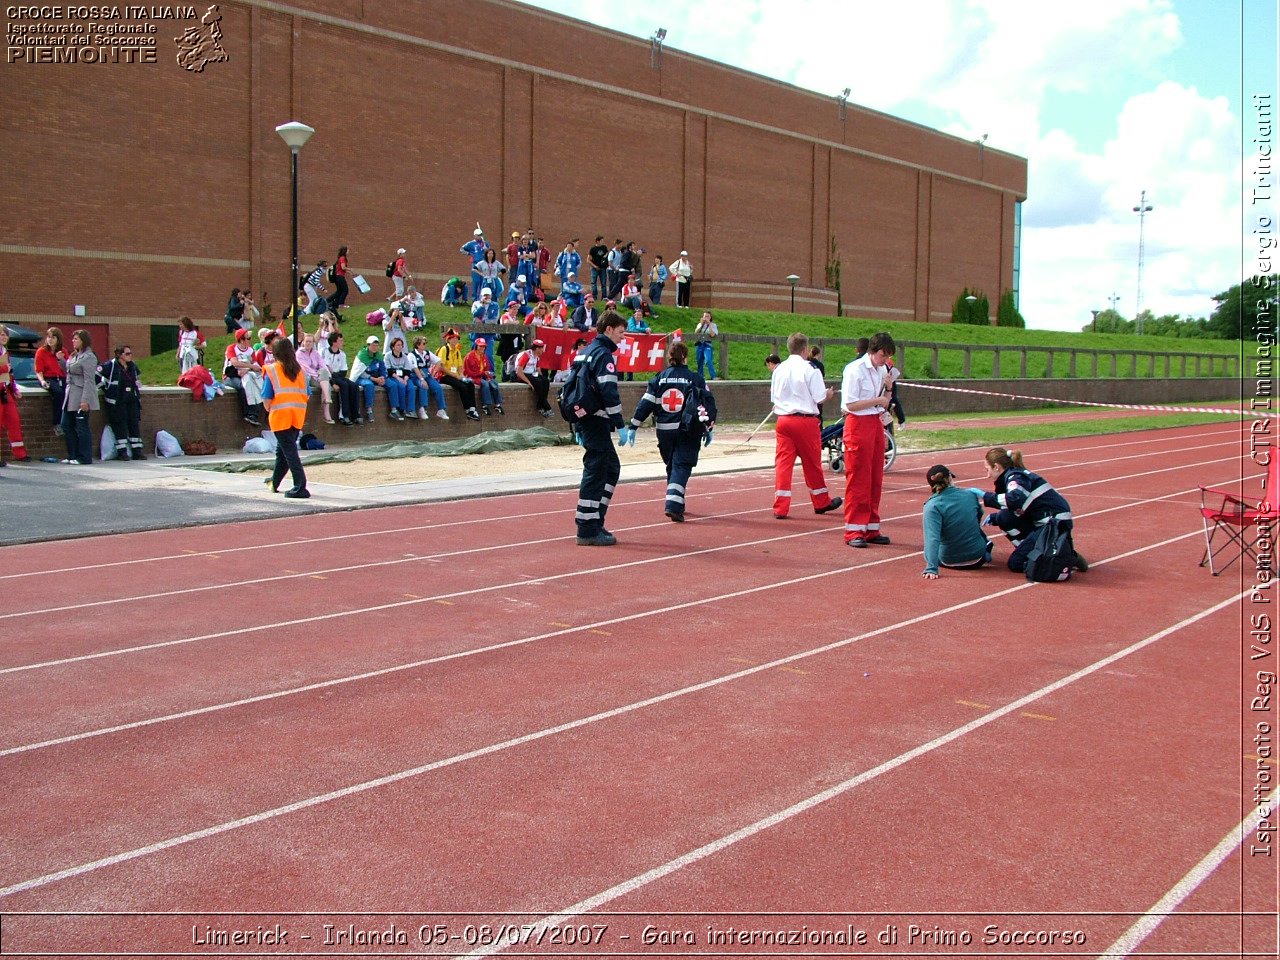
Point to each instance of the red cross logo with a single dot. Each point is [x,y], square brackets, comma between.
[672,400]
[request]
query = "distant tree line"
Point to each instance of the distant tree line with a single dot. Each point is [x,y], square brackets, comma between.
[1242,312]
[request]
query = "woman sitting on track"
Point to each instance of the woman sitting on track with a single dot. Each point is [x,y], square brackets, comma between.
[953,536]
[1023,501]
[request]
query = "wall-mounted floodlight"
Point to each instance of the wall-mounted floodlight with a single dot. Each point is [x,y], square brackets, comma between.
[655,48]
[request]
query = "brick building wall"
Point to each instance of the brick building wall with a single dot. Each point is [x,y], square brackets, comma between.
[146,191]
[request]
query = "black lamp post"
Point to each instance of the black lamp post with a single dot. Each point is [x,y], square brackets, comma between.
[296,135]
[793,280]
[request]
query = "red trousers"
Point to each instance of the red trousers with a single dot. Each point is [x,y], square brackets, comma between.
[864,475]
[12,426]
[802,437]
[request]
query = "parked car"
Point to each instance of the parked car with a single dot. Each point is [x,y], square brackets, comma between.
[23,343]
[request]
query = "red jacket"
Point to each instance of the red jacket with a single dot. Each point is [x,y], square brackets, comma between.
[475,367]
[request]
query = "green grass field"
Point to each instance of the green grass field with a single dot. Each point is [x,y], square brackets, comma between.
[746,360]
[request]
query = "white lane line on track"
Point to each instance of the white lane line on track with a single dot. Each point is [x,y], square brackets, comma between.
[1133,938]
[436,557]
[428,526]
[358,788]
[355,534]
[318,618]
[461,654]
[604,897]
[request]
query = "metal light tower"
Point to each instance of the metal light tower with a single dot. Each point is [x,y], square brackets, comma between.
[1142,209]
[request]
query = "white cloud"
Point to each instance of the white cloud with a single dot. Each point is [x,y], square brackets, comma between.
[1182,149]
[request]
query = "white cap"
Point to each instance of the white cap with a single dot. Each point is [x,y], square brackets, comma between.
[683,253]
[486,292]
[400,252]
[372,340]
[478,232]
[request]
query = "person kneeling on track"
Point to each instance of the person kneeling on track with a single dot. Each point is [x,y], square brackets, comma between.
[684,412]
[1023,501]
[953,536]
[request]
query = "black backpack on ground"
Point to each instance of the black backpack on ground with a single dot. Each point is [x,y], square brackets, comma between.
[1053,554]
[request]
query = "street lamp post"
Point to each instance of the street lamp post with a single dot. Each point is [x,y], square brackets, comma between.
[295,135]
[793,280]
[969,301]
[1142,209]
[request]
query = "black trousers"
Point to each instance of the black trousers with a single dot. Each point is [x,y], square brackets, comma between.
[680,454]
[682,293]
[541,386]
[57,393]
[348,397]
[340,297]
[600,471]
[466,390]
[287,459]
[75,430]
[125,417]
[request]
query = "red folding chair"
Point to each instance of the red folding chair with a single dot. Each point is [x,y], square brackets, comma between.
[1238,518]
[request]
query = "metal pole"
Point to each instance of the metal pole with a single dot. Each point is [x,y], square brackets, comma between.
[297,319]
[1142,209]
[793,298]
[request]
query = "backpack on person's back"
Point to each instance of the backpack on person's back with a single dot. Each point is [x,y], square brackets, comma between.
[580,395]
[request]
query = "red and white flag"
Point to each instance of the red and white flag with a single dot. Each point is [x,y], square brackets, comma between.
[642,352]
[559,340]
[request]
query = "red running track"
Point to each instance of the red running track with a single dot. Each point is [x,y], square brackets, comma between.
[449,722]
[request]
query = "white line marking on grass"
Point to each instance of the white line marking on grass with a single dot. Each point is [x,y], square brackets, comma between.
[1132,938]
[614,892]
[716,846]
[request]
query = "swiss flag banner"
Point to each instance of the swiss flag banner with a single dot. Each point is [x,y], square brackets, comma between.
[559,340]
[642,352]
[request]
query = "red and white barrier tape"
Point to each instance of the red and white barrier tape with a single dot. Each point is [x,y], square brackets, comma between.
[1092,403]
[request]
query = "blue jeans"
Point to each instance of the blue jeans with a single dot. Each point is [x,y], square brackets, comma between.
[434,388]
[706,356]
[489,393]
[598,282]
[655,292]
[403,394]
[369,387]
[477,284]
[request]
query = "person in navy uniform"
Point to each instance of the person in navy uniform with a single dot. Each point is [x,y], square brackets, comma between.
[1023,501]
[680,432]
[600,464]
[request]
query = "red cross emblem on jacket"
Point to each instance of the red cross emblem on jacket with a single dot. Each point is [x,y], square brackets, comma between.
[672,400]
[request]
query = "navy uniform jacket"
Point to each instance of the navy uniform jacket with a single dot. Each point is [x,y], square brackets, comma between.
[1024,501]
[660,398]
[598,355]
[119,380]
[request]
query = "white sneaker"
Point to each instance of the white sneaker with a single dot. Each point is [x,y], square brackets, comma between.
[442,415]
[422,413]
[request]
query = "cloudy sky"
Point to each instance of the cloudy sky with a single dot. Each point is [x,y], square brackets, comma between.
[1105,99]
